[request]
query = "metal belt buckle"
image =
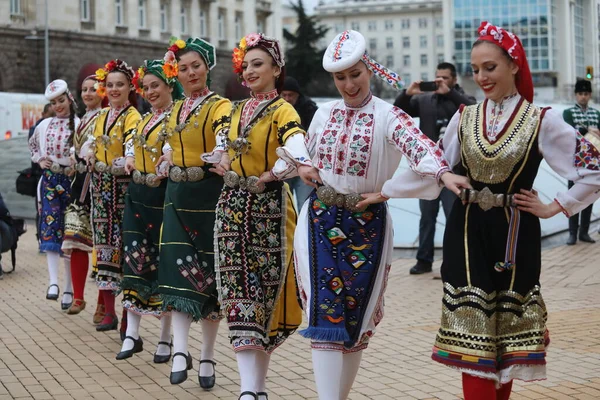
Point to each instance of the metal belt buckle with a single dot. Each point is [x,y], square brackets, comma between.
[231,179]
[351,201]
[152,180]
[137,177]
[327,195]
[486,199]
[101,166]
[56,168]
[253,185]
[176,174]
[81,168]
[195,174]
[117,171]
[68,170]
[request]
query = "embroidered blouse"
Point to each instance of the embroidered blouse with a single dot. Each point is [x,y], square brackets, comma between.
[358,149]
[564,149]
[192,132]
[147,139]
[50,140]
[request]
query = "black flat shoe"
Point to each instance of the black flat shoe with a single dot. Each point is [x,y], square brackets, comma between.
[52,296]
[259,394]
[138,345]
[420,268]
[66,306]
[181,376]
[159,359]
[572,239]
[584,237]
[249,394]
[207,382]
[109,326]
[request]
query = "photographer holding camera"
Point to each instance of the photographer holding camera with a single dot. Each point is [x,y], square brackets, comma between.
[434,103]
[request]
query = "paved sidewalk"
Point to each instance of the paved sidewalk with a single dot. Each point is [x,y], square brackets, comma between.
[47,354]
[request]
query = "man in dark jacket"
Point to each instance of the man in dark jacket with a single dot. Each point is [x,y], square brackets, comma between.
[306,109]
[434,110]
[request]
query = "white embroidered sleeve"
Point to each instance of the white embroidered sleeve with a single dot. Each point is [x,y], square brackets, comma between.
[215,156]
[450,144]
[425,159]
[574,158]
[291,155]
[87,147]
[34,146]
[129,149]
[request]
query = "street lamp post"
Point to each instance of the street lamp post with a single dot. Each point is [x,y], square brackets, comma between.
[46,39]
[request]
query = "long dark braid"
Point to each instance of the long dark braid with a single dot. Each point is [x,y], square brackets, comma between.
[71,123]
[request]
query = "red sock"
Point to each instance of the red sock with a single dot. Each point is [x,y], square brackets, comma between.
[475,388]
[100,297]
[109,306]
[504,392]
[79,270]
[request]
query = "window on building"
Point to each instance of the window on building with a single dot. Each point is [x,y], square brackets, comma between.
[260,25]
[423,60]
[203,27]
[389,24]
[423,41]
[85,10]
[238,26]
[406,42]
[389,43]
[372,25]
[424,76]
[440,58]
[438,23]
[439,40]
[119,15]
[142,13]
[221,25]
[355,26]
[373,43]
[183,19]
[164,17]
[389,61]
[422,22]
[406,60]
[405,23]
[406,78]
[15,7]
[338,27]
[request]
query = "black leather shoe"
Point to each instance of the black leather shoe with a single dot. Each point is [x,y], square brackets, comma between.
[207,382]
[66,306]
[52,296]
[584,237]
[420,268]
[160,359]
[109,326]
[138,345]
[572,239]
[249,394]
[262,394]
[181,376]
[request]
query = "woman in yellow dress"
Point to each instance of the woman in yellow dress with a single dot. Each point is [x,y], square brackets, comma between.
[186,269]
[106,157]
[256,218]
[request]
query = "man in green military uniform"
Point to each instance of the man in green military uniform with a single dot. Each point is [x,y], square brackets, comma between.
[586,120]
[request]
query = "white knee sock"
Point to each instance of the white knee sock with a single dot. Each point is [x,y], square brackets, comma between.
[53,259]
[248,369]
[210,329]
[133,329]
[67,298]
[181,330]
[165,335]
[349,370]
[263,370]
[327,367]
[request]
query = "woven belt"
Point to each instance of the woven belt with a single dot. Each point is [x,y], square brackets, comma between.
[59,169]
[486,199]
[330,197]
[191,174]
[250,183]
[150,180]
[111,169]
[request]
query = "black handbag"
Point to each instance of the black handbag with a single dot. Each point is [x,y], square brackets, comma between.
[27,182]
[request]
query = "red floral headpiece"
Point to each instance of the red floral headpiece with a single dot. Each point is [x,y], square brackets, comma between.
[111,66]
[513,46]
[251,41]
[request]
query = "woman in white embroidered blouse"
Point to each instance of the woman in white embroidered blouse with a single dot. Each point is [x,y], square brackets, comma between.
[343,242]
[493,326]
[50,147]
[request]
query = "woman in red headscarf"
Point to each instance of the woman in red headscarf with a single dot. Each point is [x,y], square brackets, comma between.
[493,326]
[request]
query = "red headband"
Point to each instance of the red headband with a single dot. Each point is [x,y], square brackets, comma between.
[513,46]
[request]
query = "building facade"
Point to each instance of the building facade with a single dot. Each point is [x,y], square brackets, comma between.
[405,35]
[561,37]
[94,31]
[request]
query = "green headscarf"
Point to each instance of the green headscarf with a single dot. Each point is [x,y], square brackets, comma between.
[206,50]
[165,71]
